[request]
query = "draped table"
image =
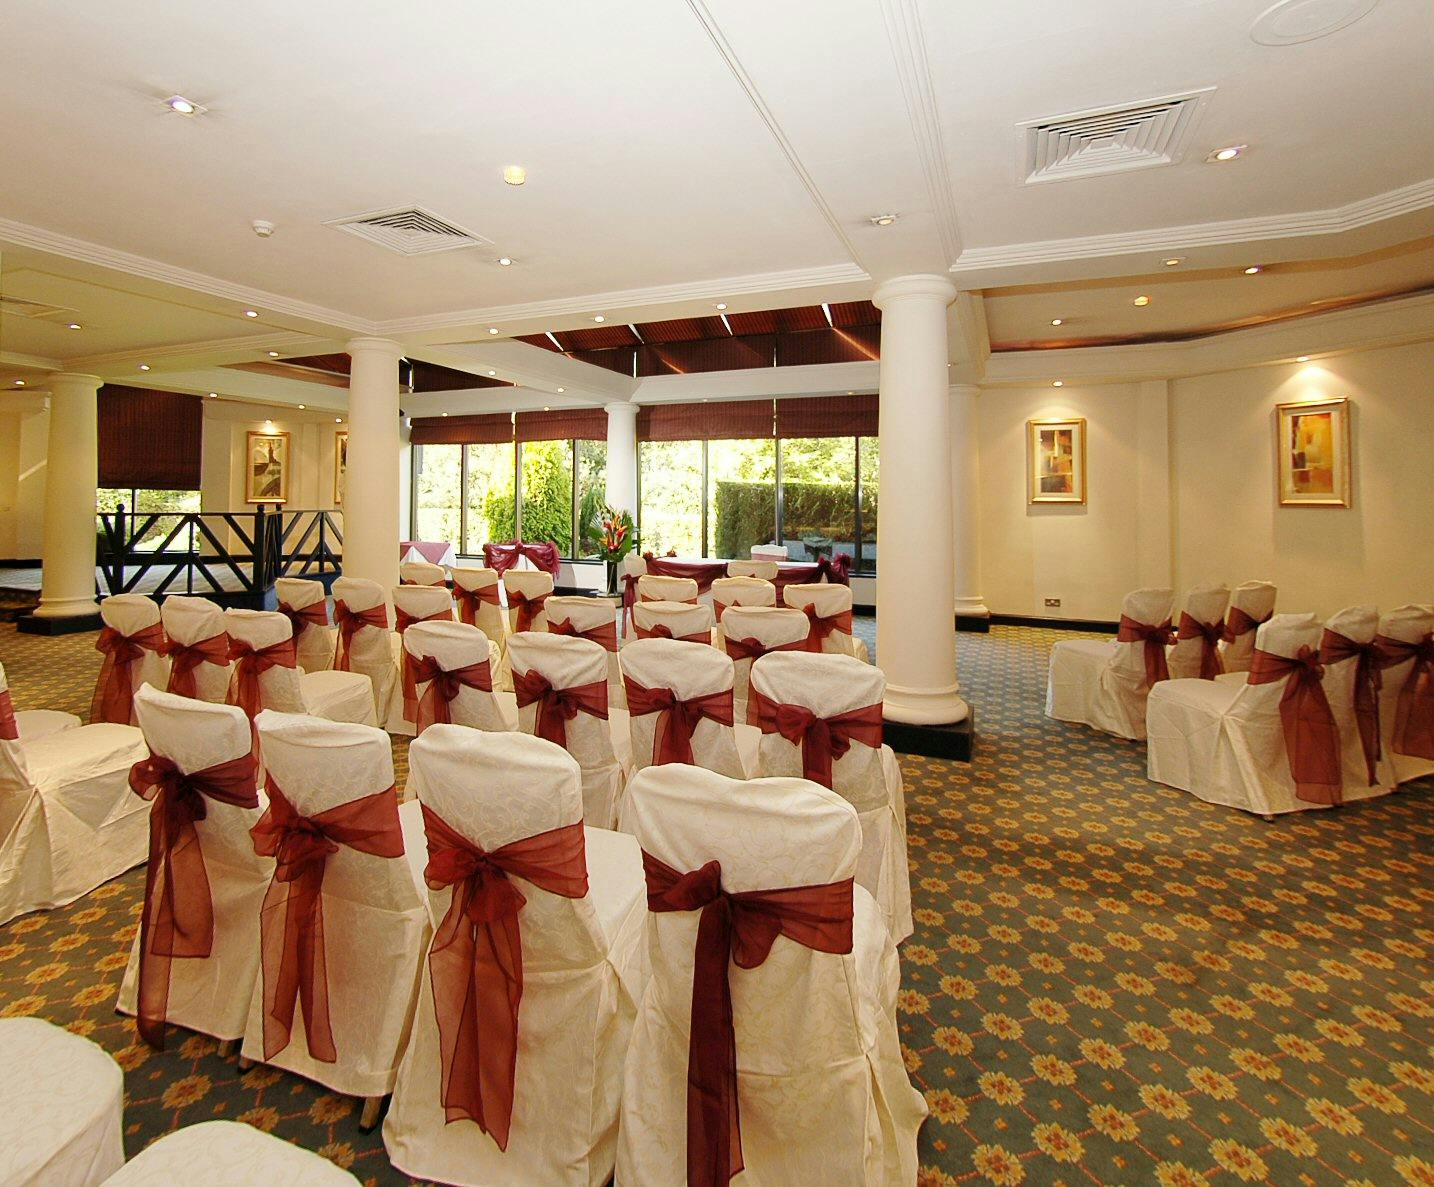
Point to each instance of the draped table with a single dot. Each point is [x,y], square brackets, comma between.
[435,552]
[502,557]
[836,571]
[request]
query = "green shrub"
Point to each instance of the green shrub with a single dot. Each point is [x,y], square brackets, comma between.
[746,513]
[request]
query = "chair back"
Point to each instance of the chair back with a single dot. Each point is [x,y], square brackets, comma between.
[1255,600]
[652,587]
[633,565]
[828,610]
[1404,624]
[588,618]
[1148,607]
[765,570]
[1205,605]
[566,663]
[129,614]
[15,780]
[279,685]
[369,651]
[766,627]
[742,591]
[189,620]
[690,671]
[688,621]
[529,583]
[1282,635]
[313,642]
[421,603]
[1358,624]
[421,573]
[456,645]
[487,616]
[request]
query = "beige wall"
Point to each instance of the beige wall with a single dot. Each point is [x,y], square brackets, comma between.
[24,438]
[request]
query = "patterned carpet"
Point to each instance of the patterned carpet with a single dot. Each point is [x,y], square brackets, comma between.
[1110,982]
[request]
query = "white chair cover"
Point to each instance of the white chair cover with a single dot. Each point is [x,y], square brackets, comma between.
[1408,624]
[739,591]
[68,820]
[1205,604]
[316,643]
[765,570]
[61,1108]
[770,626]
[457,645]
[531,583]
[413,604]
[1358,624]
[597,615]
[652,587]
[337,696]
[193,620]
[567,663]
[1103,684]
[828,599]
[210,995]
[422,573]
[373,650]
[633,565]
[776,553]
[490,618]
[34,724]
[227,1154]
[1257,600]
[129,614]
[375,923]
[686,620]
[867,777]
[823,1093]
[582,975]
[690,670]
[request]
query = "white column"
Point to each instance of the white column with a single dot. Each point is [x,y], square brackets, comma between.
[71,476]
[915,582]
[622,457]
[1153,531]
[371,496]
[965,500]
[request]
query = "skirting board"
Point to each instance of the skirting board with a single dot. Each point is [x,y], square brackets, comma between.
[1057,624]
[980,623]
[953,742]
[33,624]
[20,563]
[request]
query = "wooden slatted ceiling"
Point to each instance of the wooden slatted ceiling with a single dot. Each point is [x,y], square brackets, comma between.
[682,329]
[846,314]
[538,340]
[597,338]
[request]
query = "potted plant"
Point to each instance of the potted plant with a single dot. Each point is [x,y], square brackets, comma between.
[617,537]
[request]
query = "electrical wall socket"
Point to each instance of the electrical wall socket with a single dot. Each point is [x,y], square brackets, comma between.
[1053,603]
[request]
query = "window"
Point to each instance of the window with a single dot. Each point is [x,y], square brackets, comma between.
[147,502]
[592,494]
[546,468]
[819,497]
[868,480]
[436,502]
[491,514]
[670,502]
[741,496]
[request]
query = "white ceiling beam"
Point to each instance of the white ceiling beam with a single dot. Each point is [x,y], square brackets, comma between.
[759,383]
[530,366]
[249,386]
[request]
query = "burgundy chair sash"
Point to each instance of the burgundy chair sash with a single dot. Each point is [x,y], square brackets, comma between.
[1311,735]
[820,628]
[178,919]
[558,706]
[663,631]
[1210,634]
[350,622]
[114,691]
[434,707]
[604,633]
[249,664]
[1334,648]
[470,599]
[300,620]
[502,557]
[672,737]
[292,917]
[1414,711]
[475,963]
[1239,623]
[184,658]
[528,607]
[404,620]
[822,739]
[629,598]
[739,927]
[1155,638]
[9,727]
[702,572]
[755,648]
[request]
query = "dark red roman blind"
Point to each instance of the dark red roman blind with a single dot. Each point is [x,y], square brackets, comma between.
[490,428]
[827,416]
[564,424]
[716,421]
[149,440]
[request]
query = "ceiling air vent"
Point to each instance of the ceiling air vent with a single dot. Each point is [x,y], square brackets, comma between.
[38,310]
[410,231]
[1109,140]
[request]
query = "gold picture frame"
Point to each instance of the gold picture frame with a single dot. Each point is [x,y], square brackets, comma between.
[266,468]
[1312,456]
[341,465]
[1055,461]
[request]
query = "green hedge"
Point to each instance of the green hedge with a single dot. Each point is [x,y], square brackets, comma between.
[746,513]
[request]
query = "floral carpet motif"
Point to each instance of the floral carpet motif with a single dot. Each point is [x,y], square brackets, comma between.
[1110,981]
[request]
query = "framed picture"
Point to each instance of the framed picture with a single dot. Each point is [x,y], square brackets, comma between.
[341,465]
[266,476]
[1055,461]
[1312,448]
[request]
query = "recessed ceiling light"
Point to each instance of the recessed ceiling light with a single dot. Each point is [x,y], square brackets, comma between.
[273,354]
[546,408]
[269,424]
[214,395]
[74,325]
[599,317]
[561,390]
[515,174]
[721,304]
[1171,261]
[1055,321]
[338,420]
[1141,300]
[251,313]
[1228,153]
[19,383]
[492,329]
[1058,383]
[492,372]
[445,414]
[1304,358]
[883,220]
[144,366]
[182,106]
[302,407]
[1254,269]
[505,261]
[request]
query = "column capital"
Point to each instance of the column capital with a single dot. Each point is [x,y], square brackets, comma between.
[621,407]
[75,377]
[377,345]
[923,285]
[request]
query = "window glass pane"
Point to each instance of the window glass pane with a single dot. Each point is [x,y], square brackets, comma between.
[548,493]
[670,511]
[819,496]
[592,494]
[489,495]
[870,482]
[741,496]
[147,502]
[435,508]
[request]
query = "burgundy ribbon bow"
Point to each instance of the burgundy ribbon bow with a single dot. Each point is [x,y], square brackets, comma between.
[301,619]
[679,719]
[184,658]
[1414,711]
[470,599]
[114,691]
[558,706]
[350,622]
[434,707]
[291,922]
[178,919]
[1311,735]
[404,620]
[822,739]
[604,633]
[739,928]
[755,648]
[820,627]
[9,727]
[475,963]
[1155,638]
[250,663]
[1239,623]
[1210,634]
[528,607]
[662,631]
[1334,648]
[629,597]
[834,569]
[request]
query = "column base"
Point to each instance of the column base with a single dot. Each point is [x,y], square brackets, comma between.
[925,706]
[65,607]
[37,623]
[956,743]
[972,615]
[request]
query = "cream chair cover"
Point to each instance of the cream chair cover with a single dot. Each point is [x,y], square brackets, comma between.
[771,627]
[655,588]
[227,1154]
[489,617]
[531,583]
[776,553]
[690,670]
[413,604]
[1256,600]
[1358,624]
[595,619]
[633,565]
[457,645]
[210,995]
[68,820]
[828,600]
[61,1108]
[1206,605]
[316,643]
[867,777]
[373,650]
[1103,684]
[689,621]
[422,573]
[582,975]
[375,922]
[824,1096]
[567,663]
[193,620]
[741,591]
[34,724]
[765,570]
[1408,624]
[337,696]
[129,614]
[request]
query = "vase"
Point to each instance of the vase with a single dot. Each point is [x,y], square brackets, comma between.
[611,578]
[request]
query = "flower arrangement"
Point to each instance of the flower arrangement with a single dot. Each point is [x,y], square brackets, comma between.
[617,536]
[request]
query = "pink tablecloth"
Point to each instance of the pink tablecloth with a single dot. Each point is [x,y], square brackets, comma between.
[433,551]
[502,557]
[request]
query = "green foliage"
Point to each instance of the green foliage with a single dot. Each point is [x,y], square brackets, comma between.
[746,513]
